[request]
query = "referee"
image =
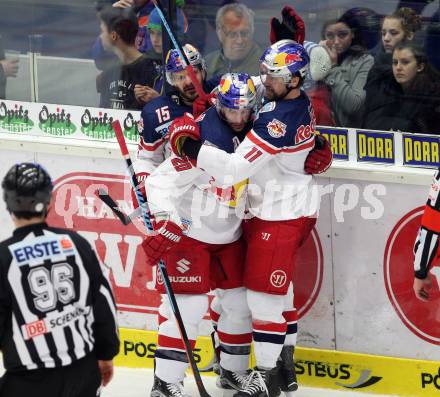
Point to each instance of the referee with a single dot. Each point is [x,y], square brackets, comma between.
[58,328]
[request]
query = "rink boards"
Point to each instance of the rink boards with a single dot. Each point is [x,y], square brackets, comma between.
[315,367]
[354,274]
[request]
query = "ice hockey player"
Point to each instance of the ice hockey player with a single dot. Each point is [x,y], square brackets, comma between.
[58,328]
[199,237]
[427,242]
[158,114]
[280,196]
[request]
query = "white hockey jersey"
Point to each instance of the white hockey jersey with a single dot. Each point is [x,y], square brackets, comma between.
[191,196]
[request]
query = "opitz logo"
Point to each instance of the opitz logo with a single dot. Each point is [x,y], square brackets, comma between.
[183,265]
[278,278]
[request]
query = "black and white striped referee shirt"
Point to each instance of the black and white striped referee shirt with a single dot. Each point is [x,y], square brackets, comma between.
[56,306]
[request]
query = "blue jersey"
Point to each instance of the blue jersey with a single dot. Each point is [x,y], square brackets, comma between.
[284,126]
[156,118]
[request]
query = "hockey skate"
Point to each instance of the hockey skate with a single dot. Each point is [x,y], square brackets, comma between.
[165,389]
[260,383]
[286,375]
[232,380]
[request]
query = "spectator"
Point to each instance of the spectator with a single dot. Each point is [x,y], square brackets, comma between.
[433,39]
[8,68]
[416,5]
[144,39]
[351,63]
[144,94]
[142,8]
[118,33]
[407,98]
[399,26]
[235,30]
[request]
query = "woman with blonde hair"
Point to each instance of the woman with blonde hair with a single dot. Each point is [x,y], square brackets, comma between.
[397,27]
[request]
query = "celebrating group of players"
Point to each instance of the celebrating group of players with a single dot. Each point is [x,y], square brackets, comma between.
[231,190]
[228,179]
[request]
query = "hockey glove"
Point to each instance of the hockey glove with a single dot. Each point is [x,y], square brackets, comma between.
[180,129]
[141,177]
[320,157]
[167,235]
[203,103]
[292,27]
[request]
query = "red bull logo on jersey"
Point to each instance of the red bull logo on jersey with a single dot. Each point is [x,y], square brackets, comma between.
[276,128]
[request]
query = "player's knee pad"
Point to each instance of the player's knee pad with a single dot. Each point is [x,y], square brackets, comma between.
[234,302]
[266,307]
[192,307]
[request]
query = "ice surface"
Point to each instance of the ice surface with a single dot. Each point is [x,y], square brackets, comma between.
[129,382]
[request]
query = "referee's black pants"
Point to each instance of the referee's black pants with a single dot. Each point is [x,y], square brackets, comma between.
[80,379]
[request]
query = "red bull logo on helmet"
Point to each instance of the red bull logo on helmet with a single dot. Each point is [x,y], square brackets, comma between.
[285,59]
[224,85]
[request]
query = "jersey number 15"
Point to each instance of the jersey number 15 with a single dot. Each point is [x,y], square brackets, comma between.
[163,114]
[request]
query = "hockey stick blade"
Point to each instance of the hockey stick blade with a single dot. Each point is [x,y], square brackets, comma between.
[106,199]
[124,218]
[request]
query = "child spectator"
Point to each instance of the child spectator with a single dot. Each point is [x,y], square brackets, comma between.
[119,27]
[143,93]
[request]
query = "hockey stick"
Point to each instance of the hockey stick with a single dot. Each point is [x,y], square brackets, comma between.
[143,204]
[124,218]
[200,92]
